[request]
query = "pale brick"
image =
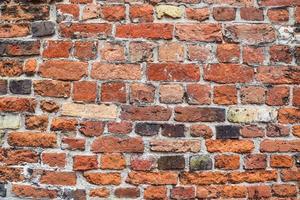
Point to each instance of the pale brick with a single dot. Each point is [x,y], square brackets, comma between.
[169,11]
[9,121]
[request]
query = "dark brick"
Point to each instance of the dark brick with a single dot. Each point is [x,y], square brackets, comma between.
[199,114]
[2,190]
[277,130]
[19,48]
[3,87]
[146,129]
[69,194]
[227,132]
[127,192]
[40,29]
[202,162]
[171,130]
[171,163]
[20,86]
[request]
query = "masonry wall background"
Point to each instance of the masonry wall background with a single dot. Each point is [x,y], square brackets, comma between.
[175,99]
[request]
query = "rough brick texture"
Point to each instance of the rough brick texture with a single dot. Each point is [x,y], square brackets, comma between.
[150,99]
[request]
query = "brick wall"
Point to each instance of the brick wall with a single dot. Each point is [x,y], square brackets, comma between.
[150,99]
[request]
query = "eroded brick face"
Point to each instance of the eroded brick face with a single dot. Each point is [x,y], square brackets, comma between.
[150,99]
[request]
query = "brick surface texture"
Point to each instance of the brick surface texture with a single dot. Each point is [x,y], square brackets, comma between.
[149,99]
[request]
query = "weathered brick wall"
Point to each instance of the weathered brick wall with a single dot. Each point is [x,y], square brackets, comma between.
[150,99]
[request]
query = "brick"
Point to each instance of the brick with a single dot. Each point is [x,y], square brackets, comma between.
[147,129]
[183,193]
[227,132]
[173,72]
[85,91]
[57,49]
[228,73]
[201,162]
[201,131]
[113,161]
[278,75]
[30,66]
[110,144]
[224,13]
[58,178]
[128,192]
[141,13]
[249,114]
[73,143]
[89,110]
[202,178]
[63,124]
[67,12]
[277,130]
[142,93]
[171,163]
[208,192]
[250,34]
[269,145]
[49,106]
[280,53]
[275,3]
[36,122]
[290,175]
[113,13]
[235,146]
[9,121]
[198,94]
[41,29]
[85,162]
[116,71]
[228,53]
[170,130]
[91,11]
[142,163]
[141,51]
[110,178]
[74,194]
[85,50]
[155,192]
[50,88]
[252,14]
[15,157]
[113,92]
[32,139]
[122,127]
[234,191]
[11,174]
[278,15]
[63,70]
[255,161]
[171,52]
[278,161]
[178,146]
[112,52]
[200,53]
[227,162]
[168,11]
[253,55]
[259,191]
[198,14]
[27,12]
[91,128]
[284,190]
[153,178]
[198,32]
[252,95]
[10,68]
[99,192]
[199,114]
[145,30]
[253,176]
[14,30]
[145,113]
[54,159]
[252,131]
[296,130]
[28,191]
[171,93]
[289,115]
[85,30]
[20,48]
[17,104]
[225,95]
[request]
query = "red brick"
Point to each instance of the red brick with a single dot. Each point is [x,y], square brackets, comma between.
[142,93]
[50,88]
[278,15]
[296,96]
[278,161]
[253,176]
[183,193]
[199,114]
[236,146]
[252,14]
[142,163]
[280,53]
[198,14]
[85,162]
[284,190]
[110,144]
[63,124]
[91,11]
[30,66]
[91,128]
[141,51]
[228,53]
[17,157]
[289,115]
[252,95]
[36,122]
[198,94]
[113,161]
[171,52]
[255,161]
[85,50]
[66,10]
[252,131]
[113,92]
[253,55]
[32,139]
[11,174]
[109,178]
[276,2]
[198,32]
[259,191]
[112,52]
[122,127]
[28,191]
[20,48]
[73,143]
[268,145]
[10,67]
[155,192]
[152,178]
[99,192]
[278,96]
[173,72]
[58,178]
[147,31]
[85,30]
[199,52]
[141,13]
[15,104]
[290,175]
[224,13]
[14,30]
[227,162]
[146,113]
[54,159]
[49,106]
[85,91]
[228,73]
[201,131]
[278,75]
[225,95]
[57,49]
[113,13]
[63,70]
[202,178]
[128,192]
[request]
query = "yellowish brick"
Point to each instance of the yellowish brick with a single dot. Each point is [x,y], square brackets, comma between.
[169,11]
